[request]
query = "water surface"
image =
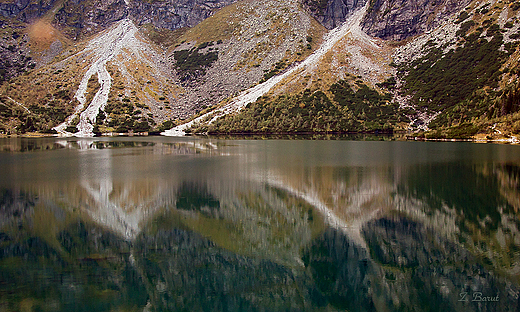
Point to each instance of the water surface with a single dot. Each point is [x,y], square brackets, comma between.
[194,224]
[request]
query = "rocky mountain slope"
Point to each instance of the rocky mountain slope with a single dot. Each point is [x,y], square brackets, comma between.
[160,63]
[464,74]
[453,73]
[183,70]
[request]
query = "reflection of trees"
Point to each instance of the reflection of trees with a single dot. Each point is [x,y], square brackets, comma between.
[65,264]
[185,271]
[169,265]
[508,176]
[474,196]
[407,267]
[251,219]
[481,200]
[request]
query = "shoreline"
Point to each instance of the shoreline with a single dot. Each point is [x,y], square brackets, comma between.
[398,135]
[512,140]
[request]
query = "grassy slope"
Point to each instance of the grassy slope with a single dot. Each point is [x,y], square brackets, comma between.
[476,101]
[474,84]
[310,100]
[157,101]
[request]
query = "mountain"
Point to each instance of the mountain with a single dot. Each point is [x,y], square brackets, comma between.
[87,67]
[169,74]
[444,72]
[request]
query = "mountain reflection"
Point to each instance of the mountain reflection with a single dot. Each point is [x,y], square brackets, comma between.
[233,226]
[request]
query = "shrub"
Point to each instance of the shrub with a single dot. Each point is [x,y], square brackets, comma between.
[464,28]
[462,17]
[449,82]
[348,111]
[71,129]
[192,62]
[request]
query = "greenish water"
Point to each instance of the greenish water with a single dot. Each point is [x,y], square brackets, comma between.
[193,224]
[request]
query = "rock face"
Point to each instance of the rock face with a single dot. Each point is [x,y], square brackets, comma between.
[205,275]
[25,10]
[88,17]
[173,14]
[400,19]
[79,18]
[386,19]
[332,13]
[15,56]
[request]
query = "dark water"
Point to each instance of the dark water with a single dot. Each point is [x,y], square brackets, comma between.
[163,224]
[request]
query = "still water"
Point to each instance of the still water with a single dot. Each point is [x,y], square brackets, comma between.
[195,224]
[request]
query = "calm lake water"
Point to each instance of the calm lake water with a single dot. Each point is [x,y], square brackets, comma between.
[194,224]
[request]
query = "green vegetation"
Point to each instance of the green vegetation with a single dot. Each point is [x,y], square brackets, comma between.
[162,36]
[388,84]
[372,110]
[278,67]
[168,124]
[351,109]
[39,118]
[465,27]
[93,87]
[121,116]
[462,17]
[461,83]
[371,6]
[72,129]
[38,100]
[193,63]
[465,130]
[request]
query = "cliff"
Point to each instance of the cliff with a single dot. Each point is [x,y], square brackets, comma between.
[173,14]
[386,19]
[25,10]
[401,19]
[88,17]
[332,13]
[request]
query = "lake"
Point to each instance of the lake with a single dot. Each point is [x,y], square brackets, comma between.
[203,224]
